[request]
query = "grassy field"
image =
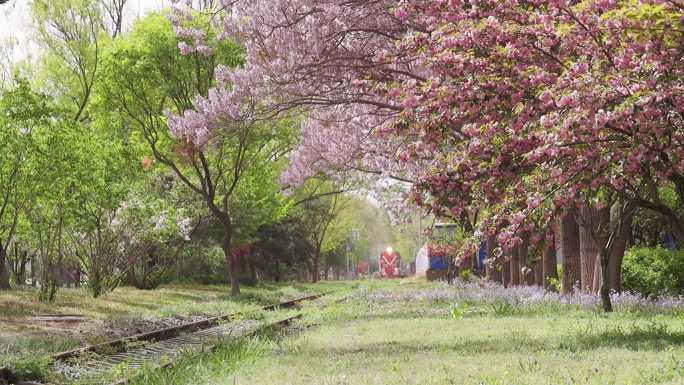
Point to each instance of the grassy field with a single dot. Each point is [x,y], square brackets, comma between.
[377,336]
[30,329]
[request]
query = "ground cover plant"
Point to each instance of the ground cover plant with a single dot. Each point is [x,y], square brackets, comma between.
[409,333]
[31,330]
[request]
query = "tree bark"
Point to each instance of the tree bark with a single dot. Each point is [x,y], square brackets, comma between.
[33,270]
[4,271]
[492,267]
[549,265]
[589,251]
[315,269]
[605,284]
[506,272]
[538,273]
[523,256]
[603,221]
[618,253]
[231,259]
[515,267]
[571,251]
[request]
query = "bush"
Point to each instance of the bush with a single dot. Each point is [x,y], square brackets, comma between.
[466,275]
[653,271]
[201,264]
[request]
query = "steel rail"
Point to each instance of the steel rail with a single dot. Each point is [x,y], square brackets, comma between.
[170,332]
[280,324]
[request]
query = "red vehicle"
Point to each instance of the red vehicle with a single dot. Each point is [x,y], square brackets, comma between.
[389,264]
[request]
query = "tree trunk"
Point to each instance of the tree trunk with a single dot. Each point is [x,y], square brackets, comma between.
[605,284]
[231,259]
[570,250]
[549,265]
[676,227]
[603,221]
[325,273]
[21,276]
[588,249]
[33,270]
[252,271]
[597,281]
[506,272]
[277,270]
[492,267]
[527,277]
[617,254]
[316,268]
[538,273]
[515,267]
[4,271]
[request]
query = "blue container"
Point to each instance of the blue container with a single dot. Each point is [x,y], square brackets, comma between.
[439,262]
[481,256]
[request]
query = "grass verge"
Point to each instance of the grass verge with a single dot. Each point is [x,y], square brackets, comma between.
[415,340]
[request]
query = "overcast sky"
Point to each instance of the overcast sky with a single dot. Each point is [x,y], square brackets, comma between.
[15,22]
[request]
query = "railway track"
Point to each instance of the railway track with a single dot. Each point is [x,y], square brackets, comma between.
[115,362]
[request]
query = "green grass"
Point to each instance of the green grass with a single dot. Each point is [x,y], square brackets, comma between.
[24,342]
[362,342]
[166,301]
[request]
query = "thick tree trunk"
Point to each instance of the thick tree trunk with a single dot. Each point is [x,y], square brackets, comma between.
[605,284]
[21,274]
[515,267]
[316,268]
[617,254]
[492,268]
[505,272]
[231,259]
[676,227]
[4,271]
[570,250]
[527,277]
[588,249]
[538,273]
[549,266]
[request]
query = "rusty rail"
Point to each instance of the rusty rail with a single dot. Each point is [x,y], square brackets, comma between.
[281,324]
[170,332]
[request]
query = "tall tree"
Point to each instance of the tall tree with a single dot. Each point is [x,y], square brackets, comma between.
[71,30]
[25,112]
[318,216]
[147,76]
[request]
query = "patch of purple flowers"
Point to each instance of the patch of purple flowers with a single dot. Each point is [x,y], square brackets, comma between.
[528,296]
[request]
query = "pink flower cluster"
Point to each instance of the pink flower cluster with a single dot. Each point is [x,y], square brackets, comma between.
[518,107]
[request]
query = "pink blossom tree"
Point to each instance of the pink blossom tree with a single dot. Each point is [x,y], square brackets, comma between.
[517,107]
[534,106]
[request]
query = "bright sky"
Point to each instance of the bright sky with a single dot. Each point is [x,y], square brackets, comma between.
[15,22]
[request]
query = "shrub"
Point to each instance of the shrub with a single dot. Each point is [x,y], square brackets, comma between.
[653,271]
